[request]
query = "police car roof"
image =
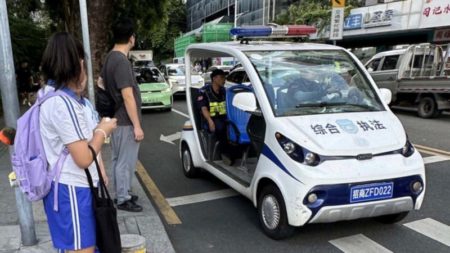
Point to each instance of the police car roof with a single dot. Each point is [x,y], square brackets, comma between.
[210,49]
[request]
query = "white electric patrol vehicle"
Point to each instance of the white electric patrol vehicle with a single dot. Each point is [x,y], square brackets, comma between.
[318,140]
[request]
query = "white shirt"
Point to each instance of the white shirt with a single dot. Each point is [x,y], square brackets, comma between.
[64,120]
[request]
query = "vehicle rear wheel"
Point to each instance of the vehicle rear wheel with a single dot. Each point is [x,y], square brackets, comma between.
[391,218]
[189,169]
[272,213]
[427,108]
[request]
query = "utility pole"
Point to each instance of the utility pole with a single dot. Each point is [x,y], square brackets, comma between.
[11,113]
[87,49]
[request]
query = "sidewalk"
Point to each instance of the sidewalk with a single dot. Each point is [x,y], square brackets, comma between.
[146,223]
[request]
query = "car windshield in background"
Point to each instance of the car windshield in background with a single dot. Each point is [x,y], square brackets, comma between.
[150,76]
[313,82]
[176,71]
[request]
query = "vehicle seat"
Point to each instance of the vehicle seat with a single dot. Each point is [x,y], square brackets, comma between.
[237,119]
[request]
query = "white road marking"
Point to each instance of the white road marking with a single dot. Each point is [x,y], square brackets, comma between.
[170,138]
[357,244]
[201,197]
[432,229]
[181,113]
[435,159]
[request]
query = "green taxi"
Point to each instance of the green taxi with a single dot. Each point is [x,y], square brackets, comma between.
[155,91]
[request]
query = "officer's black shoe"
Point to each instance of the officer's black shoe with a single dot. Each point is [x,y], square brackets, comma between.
[129,206]
[227,160]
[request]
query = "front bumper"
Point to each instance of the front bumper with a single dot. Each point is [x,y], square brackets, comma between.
[334,201]
[156,100]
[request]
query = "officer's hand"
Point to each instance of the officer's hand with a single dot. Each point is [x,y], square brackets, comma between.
[211,125]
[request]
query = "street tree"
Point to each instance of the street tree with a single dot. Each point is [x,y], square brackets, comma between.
[313,12]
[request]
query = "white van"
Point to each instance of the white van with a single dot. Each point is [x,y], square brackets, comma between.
[319,142]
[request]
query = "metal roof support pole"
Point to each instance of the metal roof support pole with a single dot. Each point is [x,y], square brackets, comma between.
[11,113]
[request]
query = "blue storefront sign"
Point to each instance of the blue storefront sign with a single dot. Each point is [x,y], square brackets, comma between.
[353,22]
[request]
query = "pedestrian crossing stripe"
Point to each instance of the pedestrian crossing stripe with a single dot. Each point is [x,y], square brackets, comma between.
[360,243]
[432,229]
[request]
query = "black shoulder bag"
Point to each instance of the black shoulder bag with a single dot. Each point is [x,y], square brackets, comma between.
[108,234]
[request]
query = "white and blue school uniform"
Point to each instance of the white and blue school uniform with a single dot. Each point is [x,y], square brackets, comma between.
[64,120]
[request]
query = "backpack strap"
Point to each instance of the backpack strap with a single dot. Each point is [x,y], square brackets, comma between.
[56,174]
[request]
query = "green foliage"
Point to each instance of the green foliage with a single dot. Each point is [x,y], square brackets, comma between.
[313,12]
[28,38]
[158,23]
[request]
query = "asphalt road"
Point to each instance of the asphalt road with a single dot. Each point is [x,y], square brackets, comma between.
[230,224]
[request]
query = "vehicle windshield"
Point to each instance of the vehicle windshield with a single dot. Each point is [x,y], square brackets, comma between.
[176,71]
[308,82]
[152,75]
[179,71]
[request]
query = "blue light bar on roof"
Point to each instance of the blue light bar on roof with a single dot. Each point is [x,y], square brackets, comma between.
[273,31]
[251,31]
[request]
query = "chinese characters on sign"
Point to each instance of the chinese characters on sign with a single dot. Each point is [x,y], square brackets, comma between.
[352,22]
[371,125]
[378,18]
[441,35]
[337,23]
[435,13]
[437,10]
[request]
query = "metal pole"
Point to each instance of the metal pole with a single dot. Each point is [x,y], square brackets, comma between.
[11,113]
[273,10]
[264,12]
[235,17]
[87,49]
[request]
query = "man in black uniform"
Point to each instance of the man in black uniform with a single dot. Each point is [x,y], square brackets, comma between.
[212,104]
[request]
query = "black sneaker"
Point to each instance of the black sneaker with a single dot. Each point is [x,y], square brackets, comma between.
[129,206]
[134,198]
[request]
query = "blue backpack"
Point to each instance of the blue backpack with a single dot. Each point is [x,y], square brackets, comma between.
[29,161]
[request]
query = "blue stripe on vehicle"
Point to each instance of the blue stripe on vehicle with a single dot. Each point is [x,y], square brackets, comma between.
[269,154]
[77,129]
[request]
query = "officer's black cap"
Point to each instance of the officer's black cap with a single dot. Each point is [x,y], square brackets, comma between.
[217,72]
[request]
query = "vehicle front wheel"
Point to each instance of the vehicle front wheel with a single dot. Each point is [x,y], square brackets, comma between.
[272,213]
[391,218]
[427,108]
[189,169]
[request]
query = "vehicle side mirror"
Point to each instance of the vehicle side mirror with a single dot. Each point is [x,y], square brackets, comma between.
[386,95]
[245,101]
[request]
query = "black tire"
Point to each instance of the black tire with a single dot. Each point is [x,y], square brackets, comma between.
[391,218]
[187,165]
[427,108]
[271,203]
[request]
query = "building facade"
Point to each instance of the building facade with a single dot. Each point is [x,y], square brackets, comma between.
[249,12]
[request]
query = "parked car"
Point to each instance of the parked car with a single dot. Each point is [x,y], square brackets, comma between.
[175,75]
[155,91]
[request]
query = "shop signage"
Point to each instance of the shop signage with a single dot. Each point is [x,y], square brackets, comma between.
[441,35]
[435,13]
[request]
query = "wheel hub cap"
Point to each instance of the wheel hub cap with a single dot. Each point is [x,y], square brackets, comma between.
[186,161]
[270,212]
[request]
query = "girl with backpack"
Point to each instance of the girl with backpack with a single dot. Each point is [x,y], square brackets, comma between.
[69,122]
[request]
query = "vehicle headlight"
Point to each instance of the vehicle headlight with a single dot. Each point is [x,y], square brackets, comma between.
[167,90]
[311,159]
[296,152]
[408,149]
